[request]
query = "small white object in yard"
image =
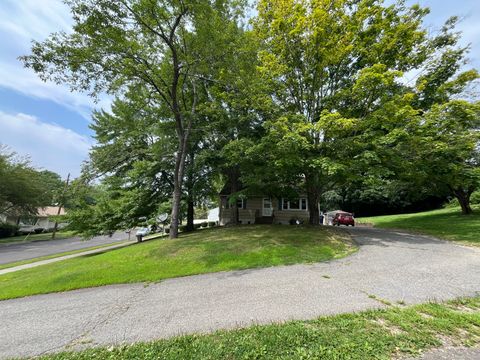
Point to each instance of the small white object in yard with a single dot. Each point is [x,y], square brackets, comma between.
[162,217]
[143,231]
[213,214]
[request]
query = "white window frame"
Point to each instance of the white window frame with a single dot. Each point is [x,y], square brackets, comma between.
[300,200]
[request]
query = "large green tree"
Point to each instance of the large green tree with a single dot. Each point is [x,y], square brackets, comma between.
[238,106]
[23,188]
[446,147]
[336,69]
[134,159]
[161,46]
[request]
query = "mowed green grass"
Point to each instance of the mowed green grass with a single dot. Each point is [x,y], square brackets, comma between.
[448,224]
[381,334]
[204,251]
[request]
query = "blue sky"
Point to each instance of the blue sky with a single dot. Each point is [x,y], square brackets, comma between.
[50,124]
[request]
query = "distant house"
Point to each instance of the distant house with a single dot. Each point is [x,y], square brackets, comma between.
[213,215]
[39,222]
[263,209]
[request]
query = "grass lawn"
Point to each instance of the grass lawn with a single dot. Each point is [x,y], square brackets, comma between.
[448,224]
[204,251]
[37,237]
[379,334]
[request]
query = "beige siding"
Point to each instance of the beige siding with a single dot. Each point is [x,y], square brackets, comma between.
[224,215]
[245,216]
[254,203]
[254,210]
[284,216]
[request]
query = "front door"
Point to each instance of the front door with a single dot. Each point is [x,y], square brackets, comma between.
[267,209]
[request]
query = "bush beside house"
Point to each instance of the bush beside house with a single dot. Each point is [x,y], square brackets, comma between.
[7,230]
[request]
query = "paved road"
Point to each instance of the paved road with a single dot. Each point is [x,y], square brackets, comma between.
[392,266]
[452,353]
[66,257]
[29,250]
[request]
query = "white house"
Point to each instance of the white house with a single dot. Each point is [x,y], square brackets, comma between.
[39,222]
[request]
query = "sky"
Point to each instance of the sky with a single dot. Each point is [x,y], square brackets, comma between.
[50,124]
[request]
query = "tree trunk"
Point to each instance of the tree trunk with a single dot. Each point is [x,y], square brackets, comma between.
[463,197]
[60,204]
[189,187]
[234,188]
[175,210]
[313,196]
[183,134]
[177,185]
[190,215]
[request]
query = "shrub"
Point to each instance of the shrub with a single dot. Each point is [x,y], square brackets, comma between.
[7,230]
[182,228]
[475,199]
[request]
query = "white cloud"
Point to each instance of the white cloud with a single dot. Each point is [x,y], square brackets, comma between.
[22,21]
[26,82]
[49,146]
[34,19]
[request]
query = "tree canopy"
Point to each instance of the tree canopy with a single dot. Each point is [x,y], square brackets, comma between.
[23,188]
[337,74]
[309,96]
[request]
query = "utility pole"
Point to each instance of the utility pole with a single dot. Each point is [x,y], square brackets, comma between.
[60,205]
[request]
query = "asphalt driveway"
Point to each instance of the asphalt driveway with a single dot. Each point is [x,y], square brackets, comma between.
[12,252]
[389,266]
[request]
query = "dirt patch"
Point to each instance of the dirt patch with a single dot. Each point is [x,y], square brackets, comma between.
[425,315]
[463,309]
[393,329]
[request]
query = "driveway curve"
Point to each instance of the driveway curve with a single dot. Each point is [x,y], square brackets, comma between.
[390,266]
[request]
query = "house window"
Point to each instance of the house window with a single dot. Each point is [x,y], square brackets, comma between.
[28,220]
[294,204]
[240,203]
[304,203]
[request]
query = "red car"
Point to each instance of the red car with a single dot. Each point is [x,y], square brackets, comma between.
[343,219]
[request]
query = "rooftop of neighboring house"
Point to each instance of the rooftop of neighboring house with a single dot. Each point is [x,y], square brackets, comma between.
[50,211]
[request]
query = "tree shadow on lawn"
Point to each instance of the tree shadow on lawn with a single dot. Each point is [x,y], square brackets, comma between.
[266,246]
[243,247]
